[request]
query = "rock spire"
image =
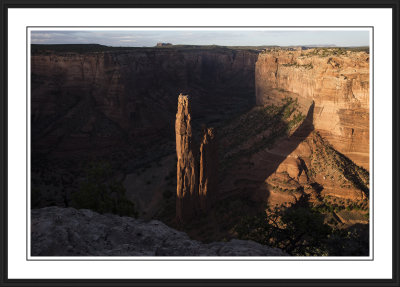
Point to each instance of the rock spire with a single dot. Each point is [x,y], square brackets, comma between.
[187,167]
[196,171]
[208,168]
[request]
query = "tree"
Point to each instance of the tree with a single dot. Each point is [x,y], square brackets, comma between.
[101,193]
[300,230]
[297,230]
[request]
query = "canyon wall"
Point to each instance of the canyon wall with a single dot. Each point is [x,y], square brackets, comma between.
[98,100]
[336,80]
[122,102]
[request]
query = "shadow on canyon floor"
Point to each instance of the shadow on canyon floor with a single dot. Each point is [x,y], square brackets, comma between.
[279,147]
[292,142]
[301,230]
[239,193]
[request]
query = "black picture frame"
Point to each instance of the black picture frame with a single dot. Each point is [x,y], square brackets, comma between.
[7,4]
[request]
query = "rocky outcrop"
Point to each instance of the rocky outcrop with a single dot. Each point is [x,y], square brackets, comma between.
[317,170]
[59,231]
[208,168]
[196,173]
[187,165]
[336,80]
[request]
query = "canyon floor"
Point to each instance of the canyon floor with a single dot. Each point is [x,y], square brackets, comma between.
[285,178]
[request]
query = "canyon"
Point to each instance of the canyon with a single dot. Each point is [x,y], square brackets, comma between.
[96,100]
[91,103]
[269,127]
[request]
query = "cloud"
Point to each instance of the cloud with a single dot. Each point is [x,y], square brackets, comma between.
[203,37]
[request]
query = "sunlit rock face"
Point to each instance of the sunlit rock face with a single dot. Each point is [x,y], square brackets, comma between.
[208,168]
[197,169]
[187,167]
[338,83]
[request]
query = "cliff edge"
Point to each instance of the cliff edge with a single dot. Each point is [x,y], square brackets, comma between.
[69,232]
[337,80]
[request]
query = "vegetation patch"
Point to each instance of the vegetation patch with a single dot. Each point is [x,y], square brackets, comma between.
[263,125]
[336,166]
[300,230]
[308,66]
[101,193]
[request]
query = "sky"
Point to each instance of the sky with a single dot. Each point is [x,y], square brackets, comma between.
[149,38]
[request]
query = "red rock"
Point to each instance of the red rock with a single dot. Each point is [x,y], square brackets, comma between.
[196,178]
[187,171]
[208,168]
[339,86]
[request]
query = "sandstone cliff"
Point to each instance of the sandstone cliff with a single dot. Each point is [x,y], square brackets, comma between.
[91,102]
[120,105]
[274,154]
[69,232]
[336,80]
[100,101]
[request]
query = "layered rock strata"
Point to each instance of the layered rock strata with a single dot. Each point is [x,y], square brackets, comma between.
[91,99]
[336,80]
[92,102]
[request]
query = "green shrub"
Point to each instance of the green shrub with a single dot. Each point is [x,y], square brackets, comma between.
[301,230]
[298,231]
[101,193]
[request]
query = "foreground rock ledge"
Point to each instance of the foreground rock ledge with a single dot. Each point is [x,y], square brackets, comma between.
[60,231]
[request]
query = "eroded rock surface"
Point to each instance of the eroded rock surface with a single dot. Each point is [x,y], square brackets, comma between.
[69,232]
[336,80]
[94,99]
[208,168]
[196,170]
[187,168]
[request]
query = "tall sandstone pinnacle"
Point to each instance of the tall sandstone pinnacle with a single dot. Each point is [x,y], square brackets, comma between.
[196,175]
[208,168]
[187,167]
